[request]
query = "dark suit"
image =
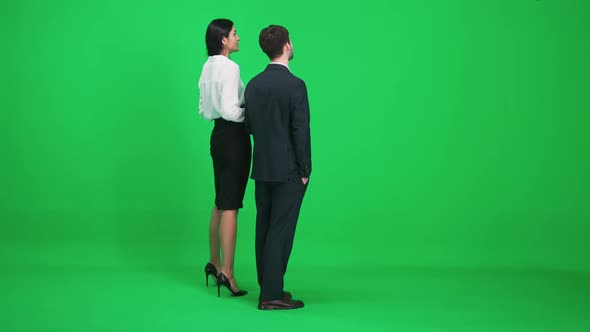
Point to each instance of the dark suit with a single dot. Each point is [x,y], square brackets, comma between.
[277,117]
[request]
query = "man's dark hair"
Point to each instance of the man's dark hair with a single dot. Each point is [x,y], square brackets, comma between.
[216,30]
[272,39]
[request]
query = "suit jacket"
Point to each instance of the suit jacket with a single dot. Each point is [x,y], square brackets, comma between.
[277,116]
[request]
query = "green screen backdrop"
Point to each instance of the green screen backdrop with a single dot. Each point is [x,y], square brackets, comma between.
[450,147]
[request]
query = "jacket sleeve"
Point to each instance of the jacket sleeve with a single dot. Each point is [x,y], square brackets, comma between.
[246,117]
[300,132]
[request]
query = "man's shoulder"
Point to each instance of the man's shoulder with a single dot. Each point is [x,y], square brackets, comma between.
[296,82]
[292,80]
[256,79]
[299,81]
[270,77]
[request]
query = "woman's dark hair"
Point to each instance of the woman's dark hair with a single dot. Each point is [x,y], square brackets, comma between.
[216,30]
[272,39]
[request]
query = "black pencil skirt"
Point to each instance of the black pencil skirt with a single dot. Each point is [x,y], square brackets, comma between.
[231,152]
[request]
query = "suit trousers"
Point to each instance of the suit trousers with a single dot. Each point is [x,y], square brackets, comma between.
[277,210]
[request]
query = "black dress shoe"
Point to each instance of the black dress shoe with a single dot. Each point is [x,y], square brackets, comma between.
[287,295]
[283,304]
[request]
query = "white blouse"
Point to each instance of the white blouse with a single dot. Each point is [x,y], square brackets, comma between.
[221,90]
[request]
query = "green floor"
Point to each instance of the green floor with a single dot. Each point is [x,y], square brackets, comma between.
[343,298]
[450,180]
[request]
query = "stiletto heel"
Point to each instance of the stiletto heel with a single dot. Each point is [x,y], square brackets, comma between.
[210,270]
[223,280]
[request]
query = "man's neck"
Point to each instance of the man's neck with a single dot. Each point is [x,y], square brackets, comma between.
[283,60]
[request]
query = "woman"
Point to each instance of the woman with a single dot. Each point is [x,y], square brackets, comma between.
[221,95]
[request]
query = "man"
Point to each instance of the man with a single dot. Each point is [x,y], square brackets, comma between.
[277,117]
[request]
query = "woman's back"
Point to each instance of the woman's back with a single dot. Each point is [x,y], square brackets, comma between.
[222,91]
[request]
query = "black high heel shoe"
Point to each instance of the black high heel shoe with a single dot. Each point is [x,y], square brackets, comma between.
[222,280]
[210,269]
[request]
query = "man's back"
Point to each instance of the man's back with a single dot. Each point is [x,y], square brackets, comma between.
[277,116]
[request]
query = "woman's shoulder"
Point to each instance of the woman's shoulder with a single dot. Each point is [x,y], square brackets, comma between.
[230,67]
[221,64]
[230,63]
